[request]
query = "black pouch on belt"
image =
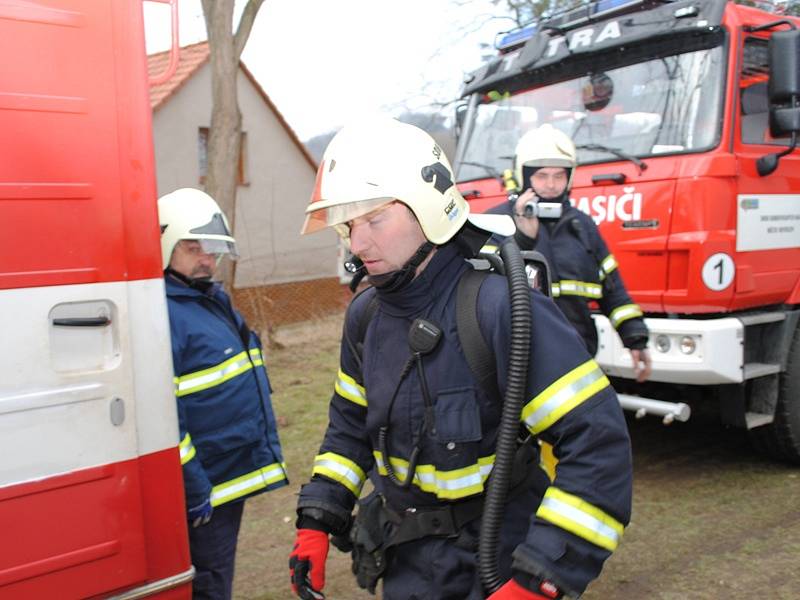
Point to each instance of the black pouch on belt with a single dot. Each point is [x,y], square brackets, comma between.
[368,535]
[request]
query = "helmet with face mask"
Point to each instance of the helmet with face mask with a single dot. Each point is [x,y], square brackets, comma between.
[190,214]
[381,160]
[544,146]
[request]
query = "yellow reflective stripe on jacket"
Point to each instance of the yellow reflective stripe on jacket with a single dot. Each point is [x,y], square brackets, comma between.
[186,449]
[555,289]
[449,485]
[607,266]
[340,469]
[347,387]
[256,357]
[489,249]
[247,483]
[563,395]
[569,287]
[207,378]
[622,313]
[580,518]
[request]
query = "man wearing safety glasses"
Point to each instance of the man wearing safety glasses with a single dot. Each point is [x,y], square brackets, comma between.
[229,444]
[409,413]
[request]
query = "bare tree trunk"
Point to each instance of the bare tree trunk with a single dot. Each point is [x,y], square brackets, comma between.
[226,120]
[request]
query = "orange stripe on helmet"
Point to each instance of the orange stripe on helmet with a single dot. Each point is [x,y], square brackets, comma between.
[316,195]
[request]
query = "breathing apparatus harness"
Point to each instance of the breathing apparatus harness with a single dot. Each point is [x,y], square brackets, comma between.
[424,337]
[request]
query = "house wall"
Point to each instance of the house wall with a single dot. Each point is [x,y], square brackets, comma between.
[270,209]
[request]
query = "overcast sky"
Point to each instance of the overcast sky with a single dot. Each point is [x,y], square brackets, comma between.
[326,62]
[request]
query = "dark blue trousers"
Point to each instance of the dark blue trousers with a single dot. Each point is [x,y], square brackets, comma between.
[447,568]
[213,549]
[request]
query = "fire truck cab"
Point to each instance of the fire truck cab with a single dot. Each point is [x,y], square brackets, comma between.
[685,115]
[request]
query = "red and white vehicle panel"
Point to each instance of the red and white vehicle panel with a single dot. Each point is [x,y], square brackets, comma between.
[91,493]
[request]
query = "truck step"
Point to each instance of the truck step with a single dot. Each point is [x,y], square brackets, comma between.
[754,420]
[753,370]
[759,318]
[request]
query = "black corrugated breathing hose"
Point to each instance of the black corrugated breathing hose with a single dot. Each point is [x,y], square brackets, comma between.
[494,505]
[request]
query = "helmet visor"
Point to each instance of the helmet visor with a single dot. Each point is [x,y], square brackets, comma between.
[320,215]
[219,247]
[216,226]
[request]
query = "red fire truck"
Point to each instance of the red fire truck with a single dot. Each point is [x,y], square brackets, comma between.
[685,115]
[91,494]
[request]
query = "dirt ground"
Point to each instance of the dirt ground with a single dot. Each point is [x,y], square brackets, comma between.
[711,519]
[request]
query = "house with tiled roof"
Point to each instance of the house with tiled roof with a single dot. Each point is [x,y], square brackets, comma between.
[280,276]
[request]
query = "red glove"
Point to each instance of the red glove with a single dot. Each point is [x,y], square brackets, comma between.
[308,559]
[511,590]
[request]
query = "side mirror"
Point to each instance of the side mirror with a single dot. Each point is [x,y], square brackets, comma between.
[461,115]
[784,94]
[784,82]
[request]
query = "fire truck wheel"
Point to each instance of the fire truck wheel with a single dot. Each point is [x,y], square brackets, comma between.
[781,438]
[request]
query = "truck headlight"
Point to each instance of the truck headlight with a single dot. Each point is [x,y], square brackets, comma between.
[662,343]
[688,344]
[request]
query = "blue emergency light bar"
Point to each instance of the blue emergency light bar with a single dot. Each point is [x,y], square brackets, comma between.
[516,37]
[603,6]
[566,19]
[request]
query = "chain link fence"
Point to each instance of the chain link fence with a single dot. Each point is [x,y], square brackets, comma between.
[268,307]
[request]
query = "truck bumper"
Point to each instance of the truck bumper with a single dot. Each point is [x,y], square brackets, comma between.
[698,352]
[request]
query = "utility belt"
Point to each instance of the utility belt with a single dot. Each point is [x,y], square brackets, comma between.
[442,521]
[378,527]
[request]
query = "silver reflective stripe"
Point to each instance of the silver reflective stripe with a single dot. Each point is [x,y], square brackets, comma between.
[563,396]
[194,383]
[186,449]
[244,485]
[429,478]
[580,288]
[339,469]
[468,480]
[473,479]
[623,313]
[347,388]
[581,518]
[609,263]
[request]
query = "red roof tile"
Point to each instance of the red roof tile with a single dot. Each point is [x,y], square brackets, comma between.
[190,60]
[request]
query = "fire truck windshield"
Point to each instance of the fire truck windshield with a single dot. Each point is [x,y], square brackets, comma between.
[660,106]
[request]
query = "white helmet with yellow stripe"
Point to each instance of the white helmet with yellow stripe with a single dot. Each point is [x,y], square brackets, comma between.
[190,214]
[381,160]
[544,146]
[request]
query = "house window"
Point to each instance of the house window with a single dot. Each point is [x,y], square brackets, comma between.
[202,157]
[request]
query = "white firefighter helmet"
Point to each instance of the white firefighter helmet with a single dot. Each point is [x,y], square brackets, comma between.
[190,214]
[544,146]
[380,160]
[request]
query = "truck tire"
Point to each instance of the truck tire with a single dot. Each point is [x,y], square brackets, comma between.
[781,438]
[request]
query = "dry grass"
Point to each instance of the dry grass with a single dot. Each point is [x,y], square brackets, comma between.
[711,520]
[302,373]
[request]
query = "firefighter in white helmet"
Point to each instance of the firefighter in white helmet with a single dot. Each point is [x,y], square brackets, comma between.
[582,268]
[229,440]
[408,412]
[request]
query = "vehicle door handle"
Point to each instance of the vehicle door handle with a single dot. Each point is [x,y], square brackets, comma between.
[612,177]
[82,322]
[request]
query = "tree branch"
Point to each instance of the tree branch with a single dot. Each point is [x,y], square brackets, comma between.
[245,25]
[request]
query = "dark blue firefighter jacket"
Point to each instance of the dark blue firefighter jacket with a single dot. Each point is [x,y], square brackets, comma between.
[229,438]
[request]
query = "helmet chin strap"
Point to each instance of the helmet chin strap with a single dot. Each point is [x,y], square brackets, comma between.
[394,280]
[199,283]
[563,197]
